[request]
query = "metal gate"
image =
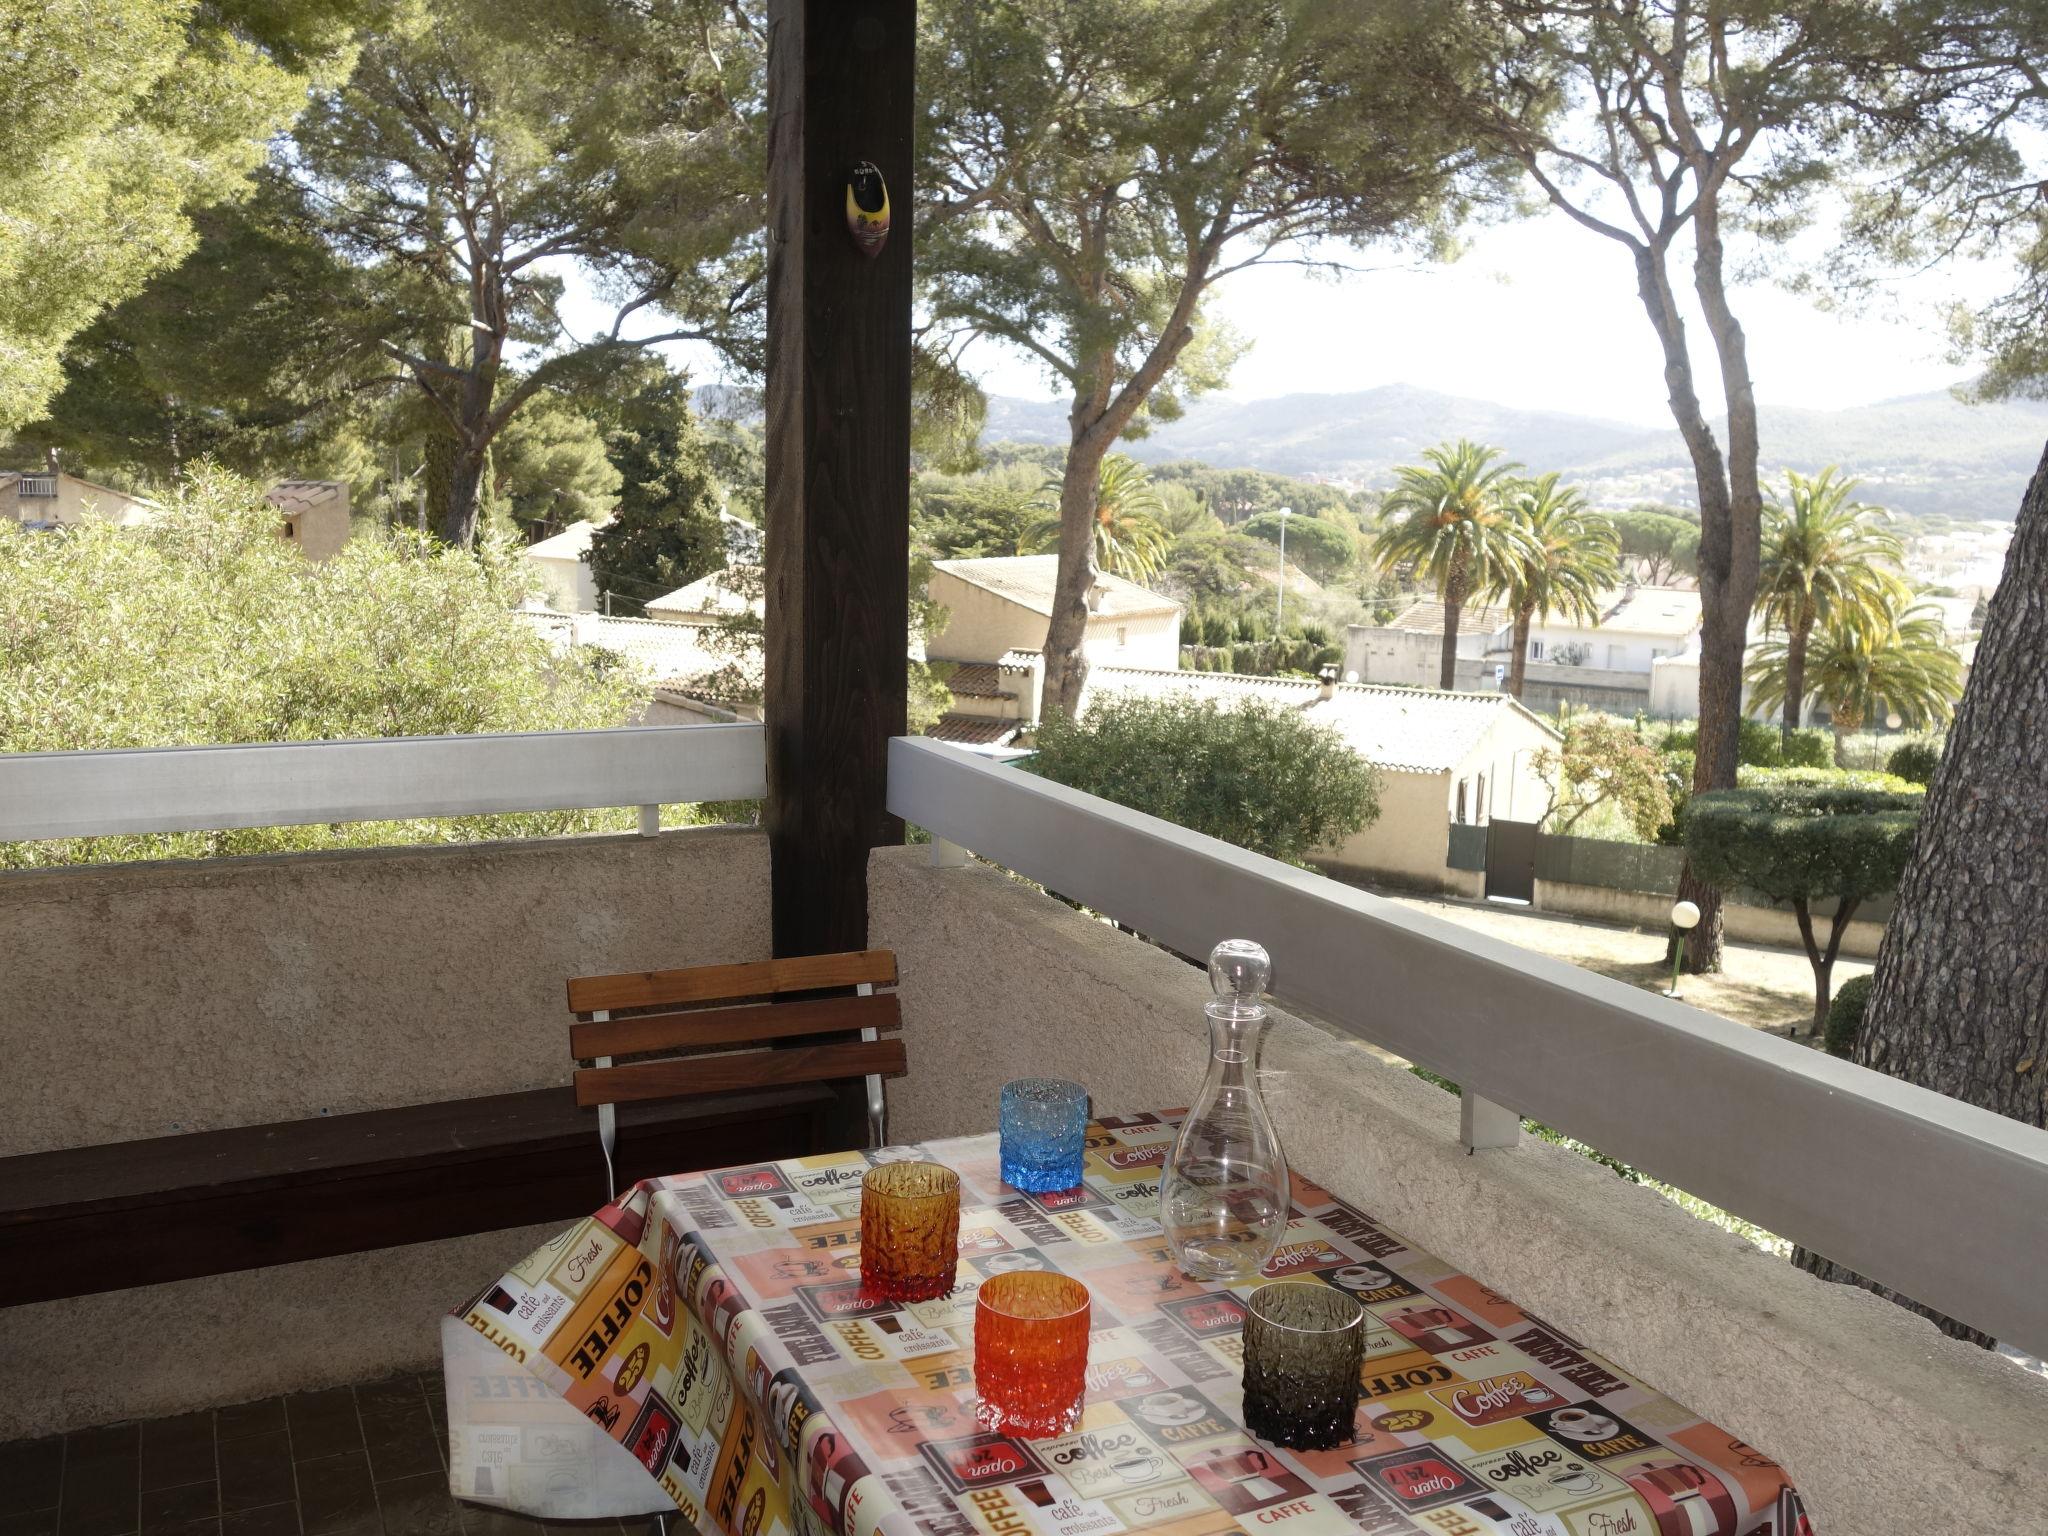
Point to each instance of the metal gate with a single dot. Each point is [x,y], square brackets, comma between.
[1511,860]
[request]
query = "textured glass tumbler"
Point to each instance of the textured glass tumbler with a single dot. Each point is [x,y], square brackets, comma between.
[1030,1352]
[1303,1345]
[1045,1132]
[909,1231]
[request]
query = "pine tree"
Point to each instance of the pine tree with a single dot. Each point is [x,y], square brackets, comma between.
[666,533]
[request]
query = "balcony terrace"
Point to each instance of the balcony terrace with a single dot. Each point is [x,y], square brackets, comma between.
[188,999]
[152,999]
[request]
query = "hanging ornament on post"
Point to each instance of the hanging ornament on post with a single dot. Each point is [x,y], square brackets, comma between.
[867,208]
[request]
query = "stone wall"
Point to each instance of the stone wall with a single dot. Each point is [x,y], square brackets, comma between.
[1885,1425]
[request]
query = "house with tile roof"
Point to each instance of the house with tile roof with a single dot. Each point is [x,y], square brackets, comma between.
[315,515]
[712,599]
[52,498]
[990,651]
[1444,759]
[561,562]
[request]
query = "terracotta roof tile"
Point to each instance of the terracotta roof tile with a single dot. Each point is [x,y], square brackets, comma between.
[975,680]
[973,731]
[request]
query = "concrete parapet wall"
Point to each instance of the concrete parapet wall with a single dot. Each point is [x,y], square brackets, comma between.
[1885,1425]
[144,999]
[148,999]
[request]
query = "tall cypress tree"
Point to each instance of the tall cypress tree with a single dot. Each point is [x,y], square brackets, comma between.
[666,533]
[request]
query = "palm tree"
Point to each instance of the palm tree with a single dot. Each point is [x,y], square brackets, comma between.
[1571,555]
[1865,666]
[1446,518]
[1129,537]
[1823,556]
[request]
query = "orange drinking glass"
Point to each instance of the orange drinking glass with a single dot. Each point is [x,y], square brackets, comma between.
[1030,1352]
[909,1230]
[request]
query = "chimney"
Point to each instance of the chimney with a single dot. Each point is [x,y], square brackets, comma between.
[1326,679]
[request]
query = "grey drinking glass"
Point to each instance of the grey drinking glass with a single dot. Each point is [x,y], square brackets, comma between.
[1044,1124]
[1304,1343]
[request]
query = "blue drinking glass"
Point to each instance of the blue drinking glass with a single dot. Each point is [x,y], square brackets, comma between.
[1045,1130]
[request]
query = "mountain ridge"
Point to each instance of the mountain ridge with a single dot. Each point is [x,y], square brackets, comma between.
[1924,453]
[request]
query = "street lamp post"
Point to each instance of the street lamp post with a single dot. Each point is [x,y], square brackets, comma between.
[1280,597]
[1685,917]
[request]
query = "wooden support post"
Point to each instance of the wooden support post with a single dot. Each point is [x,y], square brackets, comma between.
[840,91]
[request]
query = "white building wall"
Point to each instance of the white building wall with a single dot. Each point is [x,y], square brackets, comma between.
[1144,640]
[983,626]
[569,584]
[1614,650]
[1411,839]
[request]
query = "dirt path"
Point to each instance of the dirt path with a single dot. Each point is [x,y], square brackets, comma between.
[1762,987]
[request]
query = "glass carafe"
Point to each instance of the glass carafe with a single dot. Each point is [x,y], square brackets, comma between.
[1223,1196]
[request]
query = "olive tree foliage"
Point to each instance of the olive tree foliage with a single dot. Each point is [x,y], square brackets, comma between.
[1669,128]
[1255,774]
[1801,844]
[1090,173]
[1604,762]
[208,628]
[118,120]
[464,173]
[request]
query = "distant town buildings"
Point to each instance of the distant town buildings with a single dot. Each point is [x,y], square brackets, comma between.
[1608,664]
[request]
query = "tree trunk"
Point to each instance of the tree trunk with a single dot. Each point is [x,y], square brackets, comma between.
[1823,960]
[1457,587]
[1959,1002]
[465,486]
[1066,669]
[1447,659]
[1795,670]
[1518,665]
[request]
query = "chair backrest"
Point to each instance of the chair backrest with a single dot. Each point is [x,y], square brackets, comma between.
[704,1009]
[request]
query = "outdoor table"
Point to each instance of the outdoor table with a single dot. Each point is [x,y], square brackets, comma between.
[703,1344]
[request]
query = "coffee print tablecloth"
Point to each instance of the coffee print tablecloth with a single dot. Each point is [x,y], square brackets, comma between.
[704,1343]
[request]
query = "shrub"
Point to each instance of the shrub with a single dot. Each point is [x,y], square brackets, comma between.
[1216,629]
[1257,775]
[1761,744]
[209,629]
[1845,1016]
[1825,778]
[1915,761]
[1811,747]
[1801,842]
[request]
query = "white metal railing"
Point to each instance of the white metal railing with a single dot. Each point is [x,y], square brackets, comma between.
[278,784]
[41,487]
[1935,1198]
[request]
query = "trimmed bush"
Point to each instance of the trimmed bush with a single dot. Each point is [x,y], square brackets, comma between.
[1915,762]
[1801,843]
[1845,1016]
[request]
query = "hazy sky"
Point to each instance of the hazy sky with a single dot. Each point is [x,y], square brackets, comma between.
[1539,314]
[1543,314]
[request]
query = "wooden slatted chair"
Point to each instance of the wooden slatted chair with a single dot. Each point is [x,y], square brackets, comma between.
[810,1019]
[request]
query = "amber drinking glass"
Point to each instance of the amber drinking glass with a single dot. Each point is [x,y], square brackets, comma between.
[1030,1352]
[1303,1345]
[909,1230]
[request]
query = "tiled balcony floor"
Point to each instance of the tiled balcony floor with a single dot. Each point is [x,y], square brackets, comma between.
[352,1461]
